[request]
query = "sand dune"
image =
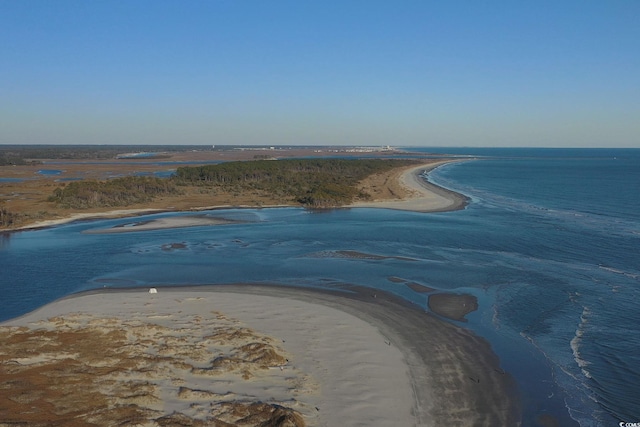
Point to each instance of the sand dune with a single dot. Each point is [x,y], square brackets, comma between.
[234,353]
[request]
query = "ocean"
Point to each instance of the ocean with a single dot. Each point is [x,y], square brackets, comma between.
[549,244]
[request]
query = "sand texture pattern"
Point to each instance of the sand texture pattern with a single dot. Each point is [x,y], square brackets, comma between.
[79,369]
[246,356]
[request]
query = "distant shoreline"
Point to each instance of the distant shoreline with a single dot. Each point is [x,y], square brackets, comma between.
[440,374]
[422,196]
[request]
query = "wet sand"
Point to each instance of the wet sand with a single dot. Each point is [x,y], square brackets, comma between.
[453,306]
[116,213]
[162,223]
[336,357]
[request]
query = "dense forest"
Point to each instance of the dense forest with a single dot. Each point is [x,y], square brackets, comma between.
[113,193]
[313,183]
[310,182]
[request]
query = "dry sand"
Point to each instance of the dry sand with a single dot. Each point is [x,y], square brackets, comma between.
[419,195]
[192,355]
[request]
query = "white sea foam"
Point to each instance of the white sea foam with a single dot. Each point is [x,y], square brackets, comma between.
[583,418]
[577,339]
[616,271]
[495,321]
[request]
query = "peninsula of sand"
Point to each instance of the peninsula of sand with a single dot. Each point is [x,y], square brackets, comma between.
[245,355]
[405,188]
[409,189]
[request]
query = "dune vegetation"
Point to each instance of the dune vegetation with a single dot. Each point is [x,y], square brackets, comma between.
[315,183]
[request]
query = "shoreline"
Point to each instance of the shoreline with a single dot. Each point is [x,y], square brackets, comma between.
[451,376]
[422,196]
[134,213]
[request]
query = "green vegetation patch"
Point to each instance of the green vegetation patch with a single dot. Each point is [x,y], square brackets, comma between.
[311,182]
[316,183]
[113,193]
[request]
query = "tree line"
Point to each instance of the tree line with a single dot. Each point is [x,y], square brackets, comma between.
[7,218]
[316,183]
[116,192]
[310,182]
[10,159]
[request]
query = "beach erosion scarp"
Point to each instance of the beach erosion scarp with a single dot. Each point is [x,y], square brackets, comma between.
[246,352]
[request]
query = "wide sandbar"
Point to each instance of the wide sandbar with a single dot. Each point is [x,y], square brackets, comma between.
[163,223]
[358,359]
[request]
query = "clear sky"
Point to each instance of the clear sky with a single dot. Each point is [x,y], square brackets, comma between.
[559,73]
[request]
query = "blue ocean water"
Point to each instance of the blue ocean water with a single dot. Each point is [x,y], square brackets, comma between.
[550,245]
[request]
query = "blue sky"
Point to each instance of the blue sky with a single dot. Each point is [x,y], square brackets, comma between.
[423,73]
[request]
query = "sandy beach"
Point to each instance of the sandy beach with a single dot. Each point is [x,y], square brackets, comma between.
[247,355]
[417,194]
